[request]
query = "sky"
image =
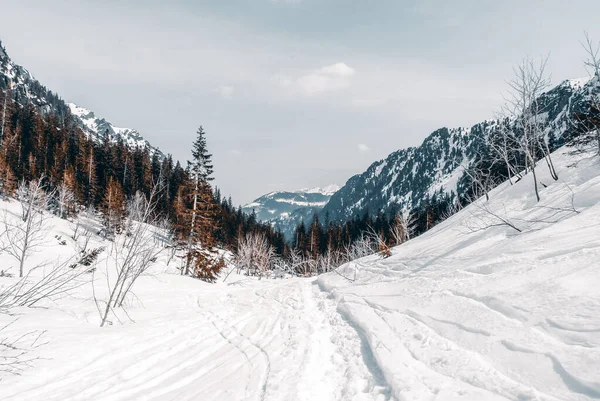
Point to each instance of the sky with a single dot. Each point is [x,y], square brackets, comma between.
[292,93]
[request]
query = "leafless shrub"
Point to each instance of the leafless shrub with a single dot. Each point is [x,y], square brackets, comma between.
[483,217]
[53,282]
[131,253]
[378,239]
[254,254]
[330,261]
[503,145]
[24,236]
[361,247]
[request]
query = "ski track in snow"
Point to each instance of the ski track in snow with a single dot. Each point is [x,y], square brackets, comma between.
[246,340]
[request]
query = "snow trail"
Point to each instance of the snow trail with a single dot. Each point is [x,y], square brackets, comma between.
[241,340]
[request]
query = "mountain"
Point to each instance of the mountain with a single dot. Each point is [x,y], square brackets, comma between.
[409,177]
[98,127]
[26,89]
[285,210]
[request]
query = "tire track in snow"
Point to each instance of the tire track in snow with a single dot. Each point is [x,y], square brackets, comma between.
[261,350]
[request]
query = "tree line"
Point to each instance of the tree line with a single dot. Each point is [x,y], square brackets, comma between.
[515,145]
[82,173]
[50,148]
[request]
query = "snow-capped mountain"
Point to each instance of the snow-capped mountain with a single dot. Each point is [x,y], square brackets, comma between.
[26,89]
[98,127]
[286,209]
[407,177]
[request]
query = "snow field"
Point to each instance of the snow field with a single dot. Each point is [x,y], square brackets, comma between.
[464,313]
[471,310]
[183,339]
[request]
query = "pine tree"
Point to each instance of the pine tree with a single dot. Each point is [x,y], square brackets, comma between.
[201,165]
[200,212]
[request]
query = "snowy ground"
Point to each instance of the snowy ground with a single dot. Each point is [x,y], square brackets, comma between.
[456,314]
[490,315]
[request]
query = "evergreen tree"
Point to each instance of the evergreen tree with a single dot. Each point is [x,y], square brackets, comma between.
[201,165]
[113,208]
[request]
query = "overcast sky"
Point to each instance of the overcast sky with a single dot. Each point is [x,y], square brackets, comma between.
[292,93]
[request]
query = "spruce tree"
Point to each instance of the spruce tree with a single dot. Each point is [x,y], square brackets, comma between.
[201,211]
[201,165]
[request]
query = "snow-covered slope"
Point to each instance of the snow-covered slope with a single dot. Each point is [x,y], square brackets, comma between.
[463,312]
[178,338]
[474,310]
[26,89]
[407,177]
[285,210]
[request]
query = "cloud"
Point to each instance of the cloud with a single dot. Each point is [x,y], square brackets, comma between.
[226,92]
[235,152]
[362,148]
[329,78]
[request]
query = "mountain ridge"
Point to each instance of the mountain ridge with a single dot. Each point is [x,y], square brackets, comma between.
[407,178]
[26,88]
[286,209]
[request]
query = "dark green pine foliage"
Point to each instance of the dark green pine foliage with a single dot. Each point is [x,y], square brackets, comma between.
[201,163]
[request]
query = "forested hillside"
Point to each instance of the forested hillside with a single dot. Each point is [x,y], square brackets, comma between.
[441,168]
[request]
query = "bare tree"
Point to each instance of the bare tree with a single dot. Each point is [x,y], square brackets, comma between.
[329,261]
[25,235]
[481,177]
[503,144]
[402,228]
[587,125]
[132,253]
[526,87]
[66,200]
[593,51]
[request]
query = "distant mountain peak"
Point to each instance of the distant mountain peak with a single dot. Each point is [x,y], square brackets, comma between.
[328,190]
[98,127]
[285,209]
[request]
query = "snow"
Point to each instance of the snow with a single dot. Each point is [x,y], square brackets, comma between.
[327,190]
[578,83]
[183,339]
[490,315]
[97,127]
[300,203]
[459,313]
